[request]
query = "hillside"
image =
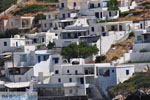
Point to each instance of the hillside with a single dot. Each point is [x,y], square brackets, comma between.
[5,4]
[134,88]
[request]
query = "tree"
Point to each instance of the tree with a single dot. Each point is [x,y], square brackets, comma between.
[9,33]
[50,45]
[83,50]
[113,5]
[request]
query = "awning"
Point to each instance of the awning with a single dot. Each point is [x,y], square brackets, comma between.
[17,85]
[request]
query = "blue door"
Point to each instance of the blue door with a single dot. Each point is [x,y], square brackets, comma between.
[39,59]
[63,16]
[16,44]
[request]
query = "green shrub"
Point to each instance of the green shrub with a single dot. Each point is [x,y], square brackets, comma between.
[131,34]
[31,9]
[143,50]
[123,14]
[5,4]
[9,33]
[51,45]
[101,58]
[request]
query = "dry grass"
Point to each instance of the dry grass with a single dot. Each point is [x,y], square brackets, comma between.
[119,49]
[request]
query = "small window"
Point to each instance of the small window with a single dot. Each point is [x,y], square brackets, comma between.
[99,5]
[74,4]
[76,72]
[97,14]
[127,72]
[45,25]
[56,60]
[110,13]
[5,43]
[56,71]
[113,71]
[62,5]
[49,16]
[92,28]
[59,80]
[63,16]
[67,71]
[43,40]
[68,14]
[70,79]
[139,38]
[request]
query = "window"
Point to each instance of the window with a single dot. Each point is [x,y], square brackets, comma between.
[74,4]
[127,72]
[91,5]
[59,80]
[76,72]
[97,14]
[145,37]
[92,29]
[68,14]
[16,44]
[62,5]
[101,15]
[45,57]
[56,60]
[110,13]
[113,71]
[67,71]
[49,16]
[70,79]
[139,38]
[56,71]
[141,26]
[63,16]
[5,43]
[99,5]
[45,25]
[43,40]
[104,72]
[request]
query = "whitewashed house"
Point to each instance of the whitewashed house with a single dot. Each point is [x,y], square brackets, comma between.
[79,79]
[15,44]
[110,33]
[22,23]
[72,33]
[42,38]
[141,46]
[99,9]
[69,8]
[25,66]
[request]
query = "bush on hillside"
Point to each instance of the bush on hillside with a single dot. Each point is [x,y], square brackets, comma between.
[31,9]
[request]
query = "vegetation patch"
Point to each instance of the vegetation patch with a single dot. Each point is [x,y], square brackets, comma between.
[31,9]
[49,1]
[138,81]
[5,4]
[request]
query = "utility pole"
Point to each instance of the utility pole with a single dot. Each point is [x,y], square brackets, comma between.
[144,18]
[13,66]
[100,46]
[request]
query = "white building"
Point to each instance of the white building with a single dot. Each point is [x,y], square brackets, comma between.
[21,23]
[25,66]
[15,44]
[42,38]
[99,9]
[72,33]
[141,47]
[77,79]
